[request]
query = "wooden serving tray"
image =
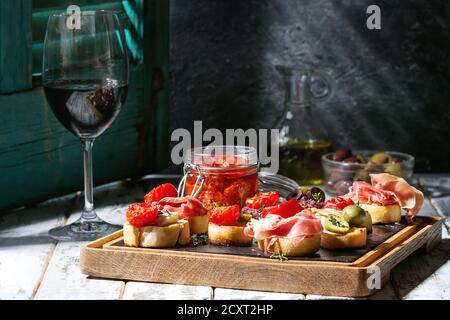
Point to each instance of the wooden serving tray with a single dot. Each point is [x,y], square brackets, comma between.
[230,267]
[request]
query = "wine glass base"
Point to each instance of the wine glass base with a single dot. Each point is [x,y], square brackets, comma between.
[83,231]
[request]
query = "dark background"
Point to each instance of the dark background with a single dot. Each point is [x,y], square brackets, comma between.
[391,86]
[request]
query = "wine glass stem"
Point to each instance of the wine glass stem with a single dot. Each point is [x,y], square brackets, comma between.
[88,212]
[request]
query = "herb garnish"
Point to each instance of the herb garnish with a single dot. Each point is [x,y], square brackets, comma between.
[317,196]
[261,207]
[335,222]
[163,213]
[278,256]
[199,239]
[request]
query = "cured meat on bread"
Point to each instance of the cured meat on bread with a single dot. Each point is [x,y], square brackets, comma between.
[384,197]
[297,235]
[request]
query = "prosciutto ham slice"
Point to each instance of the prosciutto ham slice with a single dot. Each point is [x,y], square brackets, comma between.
[186,207]
[364,192]
[408,197]
[274,226]
[387,190]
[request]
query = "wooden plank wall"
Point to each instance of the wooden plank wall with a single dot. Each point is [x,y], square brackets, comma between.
[15,45]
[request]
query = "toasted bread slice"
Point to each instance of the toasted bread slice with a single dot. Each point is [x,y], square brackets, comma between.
[355,238]
[159,237]
[185,233]
[290,248]
[131,235]
[156,236]
[383,214]
[228,235]
[198,224]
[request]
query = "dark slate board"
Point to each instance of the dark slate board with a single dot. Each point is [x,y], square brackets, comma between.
[380,234]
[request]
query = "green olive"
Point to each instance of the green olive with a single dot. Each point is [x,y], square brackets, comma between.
[336,224]
[357,217]
[352,212]
[245,217]
[362,220]
[361,158]
[361,175]
[381,158]
[368,222]
[395,169]
[304,190]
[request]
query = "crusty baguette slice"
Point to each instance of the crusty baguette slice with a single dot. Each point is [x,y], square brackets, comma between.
[185,233]
[355,238]
[131,235]
[198,224]
[155,236]
[228,235]
[383,214]
[289,248]
[159,237]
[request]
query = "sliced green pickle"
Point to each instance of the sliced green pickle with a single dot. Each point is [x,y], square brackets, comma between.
[336,224]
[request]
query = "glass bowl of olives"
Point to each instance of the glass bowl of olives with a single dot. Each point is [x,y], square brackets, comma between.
[344,166]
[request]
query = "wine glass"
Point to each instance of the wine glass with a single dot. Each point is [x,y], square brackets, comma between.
[85,80]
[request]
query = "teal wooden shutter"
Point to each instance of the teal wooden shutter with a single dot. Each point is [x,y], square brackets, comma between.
[130,14]
[15,42]
[39,158]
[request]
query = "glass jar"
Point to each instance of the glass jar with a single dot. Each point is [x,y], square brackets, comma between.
[303,138]
[220,175]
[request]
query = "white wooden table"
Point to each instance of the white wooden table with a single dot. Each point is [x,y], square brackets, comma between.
[34,267]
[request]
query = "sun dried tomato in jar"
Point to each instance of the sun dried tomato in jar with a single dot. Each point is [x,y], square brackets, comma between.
[221,175]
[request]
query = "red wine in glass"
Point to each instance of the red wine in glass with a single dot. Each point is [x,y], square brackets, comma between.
[86,108]
[85,79]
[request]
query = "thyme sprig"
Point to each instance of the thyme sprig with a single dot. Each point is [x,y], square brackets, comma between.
[278,256]
[199,239]
[261,208]
[335,221]
[317,196]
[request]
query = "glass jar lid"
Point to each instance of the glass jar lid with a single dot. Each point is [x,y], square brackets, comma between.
[222,157]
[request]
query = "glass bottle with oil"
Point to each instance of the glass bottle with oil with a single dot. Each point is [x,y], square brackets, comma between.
[303,138]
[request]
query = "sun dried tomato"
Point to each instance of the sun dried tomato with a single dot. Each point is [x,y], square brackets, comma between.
[225,216]
[286,209]
[162,191]
[141,214]
[268,199]
[338,203]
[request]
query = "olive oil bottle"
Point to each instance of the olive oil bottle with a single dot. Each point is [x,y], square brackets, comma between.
[301,160]
[303,139]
